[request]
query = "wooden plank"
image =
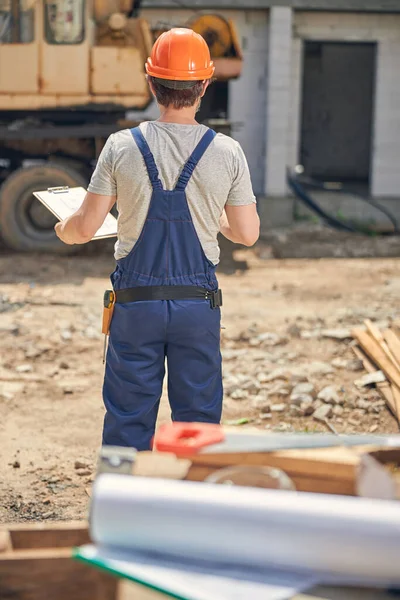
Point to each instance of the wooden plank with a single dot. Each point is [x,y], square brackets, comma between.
[52,574]
[316,485]
[377,335]
[54,535]
[393,343]
[384,387]
[375,352]
[339,462]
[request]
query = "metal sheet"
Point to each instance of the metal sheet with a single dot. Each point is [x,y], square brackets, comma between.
[65,69]
[18,69]
[117,71]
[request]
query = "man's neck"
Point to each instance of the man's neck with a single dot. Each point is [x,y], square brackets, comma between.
[182,116]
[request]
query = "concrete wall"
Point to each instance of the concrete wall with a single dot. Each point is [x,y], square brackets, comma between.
[385,30]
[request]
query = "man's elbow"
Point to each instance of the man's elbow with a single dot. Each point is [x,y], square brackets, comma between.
[84,232]
[250,239]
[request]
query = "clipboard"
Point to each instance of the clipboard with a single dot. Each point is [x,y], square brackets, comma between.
[64,201]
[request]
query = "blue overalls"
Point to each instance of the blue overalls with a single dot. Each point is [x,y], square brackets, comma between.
[143,334]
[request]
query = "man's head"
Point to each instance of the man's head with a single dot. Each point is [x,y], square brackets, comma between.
[179,68]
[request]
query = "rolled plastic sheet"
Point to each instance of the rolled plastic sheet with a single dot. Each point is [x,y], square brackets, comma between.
[342,539]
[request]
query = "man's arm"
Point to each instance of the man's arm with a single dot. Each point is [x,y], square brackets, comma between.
[240,224]
[80,227]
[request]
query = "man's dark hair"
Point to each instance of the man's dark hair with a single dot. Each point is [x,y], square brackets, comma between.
[179,94]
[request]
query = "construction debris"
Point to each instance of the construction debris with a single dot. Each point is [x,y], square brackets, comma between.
[380,352]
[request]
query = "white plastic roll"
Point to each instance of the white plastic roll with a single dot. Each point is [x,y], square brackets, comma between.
[351,539]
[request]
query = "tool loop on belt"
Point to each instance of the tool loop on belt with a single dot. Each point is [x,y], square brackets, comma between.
[168,292]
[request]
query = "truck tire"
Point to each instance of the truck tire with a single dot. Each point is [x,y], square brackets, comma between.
[25,224]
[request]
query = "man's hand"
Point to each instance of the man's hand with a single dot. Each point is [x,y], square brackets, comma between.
[80,227]
[59,229]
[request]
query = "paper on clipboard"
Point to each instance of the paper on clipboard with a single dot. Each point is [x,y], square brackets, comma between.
[64,201]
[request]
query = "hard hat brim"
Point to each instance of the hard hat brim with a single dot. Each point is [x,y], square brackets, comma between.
[161,73]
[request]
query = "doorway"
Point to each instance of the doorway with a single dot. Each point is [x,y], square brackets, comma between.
[337,111]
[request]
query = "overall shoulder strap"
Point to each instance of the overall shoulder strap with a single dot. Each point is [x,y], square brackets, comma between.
[194,158]
[147,157]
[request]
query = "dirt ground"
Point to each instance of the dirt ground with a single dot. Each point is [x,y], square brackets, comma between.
[275,312]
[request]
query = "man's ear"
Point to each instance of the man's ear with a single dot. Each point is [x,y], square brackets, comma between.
[205,86]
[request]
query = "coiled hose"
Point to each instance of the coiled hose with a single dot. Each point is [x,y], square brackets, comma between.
[299,183]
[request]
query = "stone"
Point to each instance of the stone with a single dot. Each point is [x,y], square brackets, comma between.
[339,363]
[355,365]
[319,368]
[323,412]
[304,388]
[64,365]
[253,387]
[373,428]
[67,389]
[23,368]
[329,395]
[338,410]
[270,339]
[299,399]
[265,416]
[16,464]
[239,395]
[272,376]
[370,379]
[79,464]
[84,472]
[336,334]
[92,333]
[296,411]
[354,422]
[294,330]
[278,407]
[297,376]
[309,335]
[66,335]
[307,408]
[363,404]
[33,352]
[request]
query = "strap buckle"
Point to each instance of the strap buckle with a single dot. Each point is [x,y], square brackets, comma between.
[215,298]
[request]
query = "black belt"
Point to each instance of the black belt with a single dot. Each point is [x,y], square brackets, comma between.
[168,292]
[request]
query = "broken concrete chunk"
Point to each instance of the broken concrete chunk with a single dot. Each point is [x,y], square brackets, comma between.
[304,388]
[278,407]
[370,379]
[336,334]
[323,412]
[329,395]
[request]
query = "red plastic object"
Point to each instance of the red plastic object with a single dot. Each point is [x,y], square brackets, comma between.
[186,439]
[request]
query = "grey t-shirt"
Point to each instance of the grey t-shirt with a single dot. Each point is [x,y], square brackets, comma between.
[221,177]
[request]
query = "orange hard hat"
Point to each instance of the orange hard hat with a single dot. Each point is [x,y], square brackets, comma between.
[181,55]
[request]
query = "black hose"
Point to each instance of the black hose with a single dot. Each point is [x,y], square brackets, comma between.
[298,186]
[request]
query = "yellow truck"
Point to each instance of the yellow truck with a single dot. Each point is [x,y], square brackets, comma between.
[69,72]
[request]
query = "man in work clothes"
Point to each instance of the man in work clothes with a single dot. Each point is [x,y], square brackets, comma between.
[176,184]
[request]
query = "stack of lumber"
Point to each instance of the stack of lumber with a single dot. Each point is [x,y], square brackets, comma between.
[380,350]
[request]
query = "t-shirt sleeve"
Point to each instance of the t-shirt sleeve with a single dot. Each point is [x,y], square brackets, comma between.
[241,192]
[103,180]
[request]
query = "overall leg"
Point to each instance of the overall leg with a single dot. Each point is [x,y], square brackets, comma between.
[134,373]
[194,361]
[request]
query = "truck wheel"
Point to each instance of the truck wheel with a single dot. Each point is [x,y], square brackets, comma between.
[25,224]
